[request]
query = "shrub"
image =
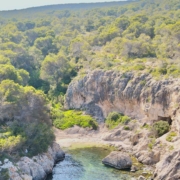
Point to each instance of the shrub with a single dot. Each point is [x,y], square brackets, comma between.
[170,136]
[114,116]
[114,119]
[143,82]
[160,128]
[151,143]
[10,143]
[67,119]
[139,67]
[4,174]
[40,136]
[125,119]
[146,126]
[35,137]
[127,128]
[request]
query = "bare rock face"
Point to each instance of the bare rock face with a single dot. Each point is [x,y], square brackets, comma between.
[38,167]
[168,168]
[139,96]
[148,157]
[31,168]
[118,160]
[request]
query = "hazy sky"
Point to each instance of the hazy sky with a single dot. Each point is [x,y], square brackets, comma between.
[19,4]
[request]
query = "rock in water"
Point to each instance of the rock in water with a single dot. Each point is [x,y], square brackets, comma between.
[118,160]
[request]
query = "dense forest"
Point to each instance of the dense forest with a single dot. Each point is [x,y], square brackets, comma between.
[43,49]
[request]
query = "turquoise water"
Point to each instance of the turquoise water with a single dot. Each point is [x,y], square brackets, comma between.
[85,164]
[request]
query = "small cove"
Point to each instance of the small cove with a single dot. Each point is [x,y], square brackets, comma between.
[84,163]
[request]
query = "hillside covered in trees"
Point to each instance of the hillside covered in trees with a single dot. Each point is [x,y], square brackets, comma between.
[43,49]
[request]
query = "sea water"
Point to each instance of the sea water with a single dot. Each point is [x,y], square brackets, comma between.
[86,164]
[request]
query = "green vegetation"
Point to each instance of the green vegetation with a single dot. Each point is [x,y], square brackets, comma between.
[171,136]
[160,128]
[127,128]
[27,110]
[4,175]
[146,126]
[43,49]
[67,119]
[8,142]
[171,148]
[151,143]
[114,119]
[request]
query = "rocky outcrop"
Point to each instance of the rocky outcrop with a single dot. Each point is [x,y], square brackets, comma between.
[35,168]
[148,157]
[118,160]
[169,167]
[138,96]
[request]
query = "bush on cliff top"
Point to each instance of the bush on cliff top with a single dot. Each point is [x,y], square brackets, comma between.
[114,119]
[67,119]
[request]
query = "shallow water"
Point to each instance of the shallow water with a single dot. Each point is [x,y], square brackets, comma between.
[85,164]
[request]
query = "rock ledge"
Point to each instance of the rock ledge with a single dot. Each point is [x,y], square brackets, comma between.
[36,168]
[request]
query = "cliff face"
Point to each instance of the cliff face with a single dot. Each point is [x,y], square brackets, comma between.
[138,96]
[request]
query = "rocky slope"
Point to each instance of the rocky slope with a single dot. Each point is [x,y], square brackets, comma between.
[35,168]
[140,97]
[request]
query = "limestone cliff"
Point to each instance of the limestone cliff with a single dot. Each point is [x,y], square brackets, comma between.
[138,96]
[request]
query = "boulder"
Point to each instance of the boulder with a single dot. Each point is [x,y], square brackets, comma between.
[141,178]
[118,160]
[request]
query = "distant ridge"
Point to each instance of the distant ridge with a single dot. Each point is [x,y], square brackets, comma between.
[72,6]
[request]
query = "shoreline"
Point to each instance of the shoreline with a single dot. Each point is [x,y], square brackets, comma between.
[87,137]
[95,139]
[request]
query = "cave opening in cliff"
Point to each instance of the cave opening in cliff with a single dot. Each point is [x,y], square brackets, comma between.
[167,119]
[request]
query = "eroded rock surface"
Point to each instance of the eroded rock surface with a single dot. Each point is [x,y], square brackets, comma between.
[169,167]
[138,96]
[35,168]
[118,160]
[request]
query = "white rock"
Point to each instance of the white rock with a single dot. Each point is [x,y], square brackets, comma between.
[6,160]
[7,165]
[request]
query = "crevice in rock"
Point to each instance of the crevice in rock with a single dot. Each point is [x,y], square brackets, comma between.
[167,119]
[84,98]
